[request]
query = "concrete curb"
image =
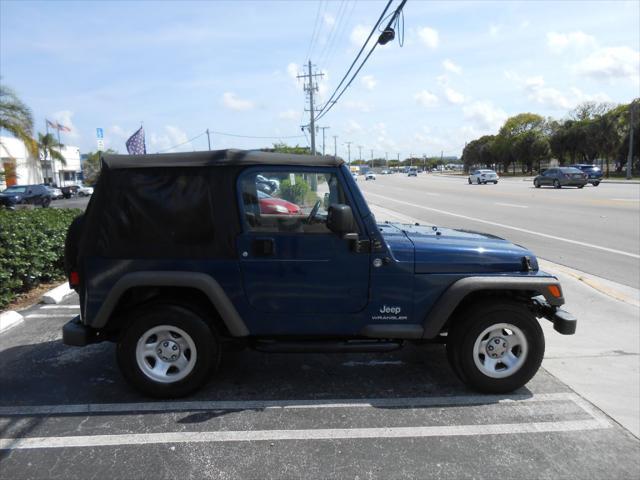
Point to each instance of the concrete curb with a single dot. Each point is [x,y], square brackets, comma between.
[9,319]
[57,294]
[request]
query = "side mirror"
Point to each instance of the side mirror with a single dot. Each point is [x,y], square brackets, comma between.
[340,219]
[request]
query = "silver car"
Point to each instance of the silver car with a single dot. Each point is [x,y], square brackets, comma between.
[483,176]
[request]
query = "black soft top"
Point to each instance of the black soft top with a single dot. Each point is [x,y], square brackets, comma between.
[218,158]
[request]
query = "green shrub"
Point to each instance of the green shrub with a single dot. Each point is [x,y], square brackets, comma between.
[294,193]
[31,248]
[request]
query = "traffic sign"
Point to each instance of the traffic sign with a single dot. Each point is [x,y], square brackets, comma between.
[99,133]
[100,144]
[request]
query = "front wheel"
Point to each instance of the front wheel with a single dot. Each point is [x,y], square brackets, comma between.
[536,183]
[168,351]
[496,346]
[556,184]
[478,182]
[595,184]
[469,180]
[46,202]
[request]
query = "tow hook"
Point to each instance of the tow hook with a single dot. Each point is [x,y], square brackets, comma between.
[563,322]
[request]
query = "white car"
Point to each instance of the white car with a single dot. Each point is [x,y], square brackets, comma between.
[84,191]
[483,176]
[355,176]
[370,176]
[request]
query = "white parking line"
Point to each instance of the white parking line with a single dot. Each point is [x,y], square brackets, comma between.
[511,205]
[61,307]
[310,434]
[511,227]
[48,315]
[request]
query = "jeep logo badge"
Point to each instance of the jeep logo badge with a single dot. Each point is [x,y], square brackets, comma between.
[394,310]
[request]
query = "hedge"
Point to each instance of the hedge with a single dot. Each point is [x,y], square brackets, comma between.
[31,248]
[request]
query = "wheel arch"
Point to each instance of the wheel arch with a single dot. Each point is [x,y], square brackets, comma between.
[179,287]
[468,290]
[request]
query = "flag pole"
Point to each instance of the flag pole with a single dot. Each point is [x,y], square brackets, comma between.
[59,143]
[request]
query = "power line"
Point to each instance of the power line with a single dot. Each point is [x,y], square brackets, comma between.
[373,30]
[183,143]
[329,105]
[254,136]
[315,28]
[332,33]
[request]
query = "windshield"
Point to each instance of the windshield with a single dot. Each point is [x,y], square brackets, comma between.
[15,190]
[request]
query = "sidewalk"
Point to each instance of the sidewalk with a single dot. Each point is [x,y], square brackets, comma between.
[601,362]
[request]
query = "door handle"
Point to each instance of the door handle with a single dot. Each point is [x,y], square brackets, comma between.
[263,247]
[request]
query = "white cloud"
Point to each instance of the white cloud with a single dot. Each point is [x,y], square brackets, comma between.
[429,37]
[494,30]
[292,70]
[442,80]
[232,102]
[369,82]
[559,42]
[485,116]
[453,97]
[173,139]
[289,115]
[64,117]
[353,127]
[449,66]
[426,98]
[359,34]
[611,62]
[115,137]
[329,19]
[357,105]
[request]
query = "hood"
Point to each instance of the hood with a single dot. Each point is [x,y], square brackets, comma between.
[446,250]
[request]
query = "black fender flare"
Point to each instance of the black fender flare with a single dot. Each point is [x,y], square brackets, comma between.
[451,298]
[200,281]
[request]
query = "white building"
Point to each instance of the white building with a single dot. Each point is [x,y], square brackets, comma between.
[20,168]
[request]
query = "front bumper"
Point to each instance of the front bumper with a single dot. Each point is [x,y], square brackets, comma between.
[563,322]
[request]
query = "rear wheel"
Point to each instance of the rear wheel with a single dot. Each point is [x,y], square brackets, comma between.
[556,184]
[536,183]
[580,186]
[469,180]
[478,182]
[46,202]
[168,351]
[495,346]
[595,184]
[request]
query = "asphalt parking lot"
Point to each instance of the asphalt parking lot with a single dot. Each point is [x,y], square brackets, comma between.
[67,413]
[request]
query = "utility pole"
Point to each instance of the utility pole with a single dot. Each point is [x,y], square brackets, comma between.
[208,139]
[386,158]
[335,146]
[348,144]
[310,88]
[323,129]
[632,109]
[360,152]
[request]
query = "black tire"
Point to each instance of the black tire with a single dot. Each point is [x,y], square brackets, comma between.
[46,202]
[580,186]
[71,244]
[556,184]
[478,181]
[495,183]
[466,330]
[469,180]
[204,337]
[595,184]
[536,183]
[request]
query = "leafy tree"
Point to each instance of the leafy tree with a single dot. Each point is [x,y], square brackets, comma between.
[284,148]
[91,166]
[17,119]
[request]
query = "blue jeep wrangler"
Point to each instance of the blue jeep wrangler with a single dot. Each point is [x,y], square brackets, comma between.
[181,254]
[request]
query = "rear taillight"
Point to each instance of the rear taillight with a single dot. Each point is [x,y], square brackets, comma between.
[74,278]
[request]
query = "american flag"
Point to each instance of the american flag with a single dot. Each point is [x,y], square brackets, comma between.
[58,126]
[135,144]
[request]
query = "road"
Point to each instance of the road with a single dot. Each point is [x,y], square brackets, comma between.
[67,413]
[594,229]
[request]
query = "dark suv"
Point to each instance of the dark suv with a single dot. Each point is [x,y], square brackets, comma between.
[25,195]
[593,172]
[176,257]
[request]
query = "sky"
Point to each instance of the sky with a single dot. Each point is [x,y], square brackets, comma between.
[179,68]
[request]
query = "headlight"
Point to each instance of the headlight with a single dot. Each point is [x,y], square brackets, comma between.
[281,209]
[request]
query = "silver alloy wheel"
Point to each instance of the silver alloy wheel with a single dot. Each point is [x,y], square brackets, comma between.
[500,350]
[166,354]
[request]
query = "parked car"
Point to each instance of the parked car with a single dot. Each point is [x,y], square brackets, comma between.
[355,176]
[84,191]
[385,172]
[69,191]
[25,195]
[412,172]
[593,172]
[370,176]
[483,176]
[273,205]
[561,177]
[173,282]
[267,185]
[56,193]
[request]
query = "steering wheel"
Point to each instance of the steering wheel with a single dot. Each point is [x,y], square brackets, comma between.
[313,213]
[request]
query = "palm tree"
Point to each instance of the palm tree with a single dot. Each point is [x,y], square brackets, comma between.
[50,148]
[17,119]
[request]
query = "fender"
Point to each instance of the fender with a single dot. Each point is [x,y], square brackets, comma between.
[200,281]
[451,298]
